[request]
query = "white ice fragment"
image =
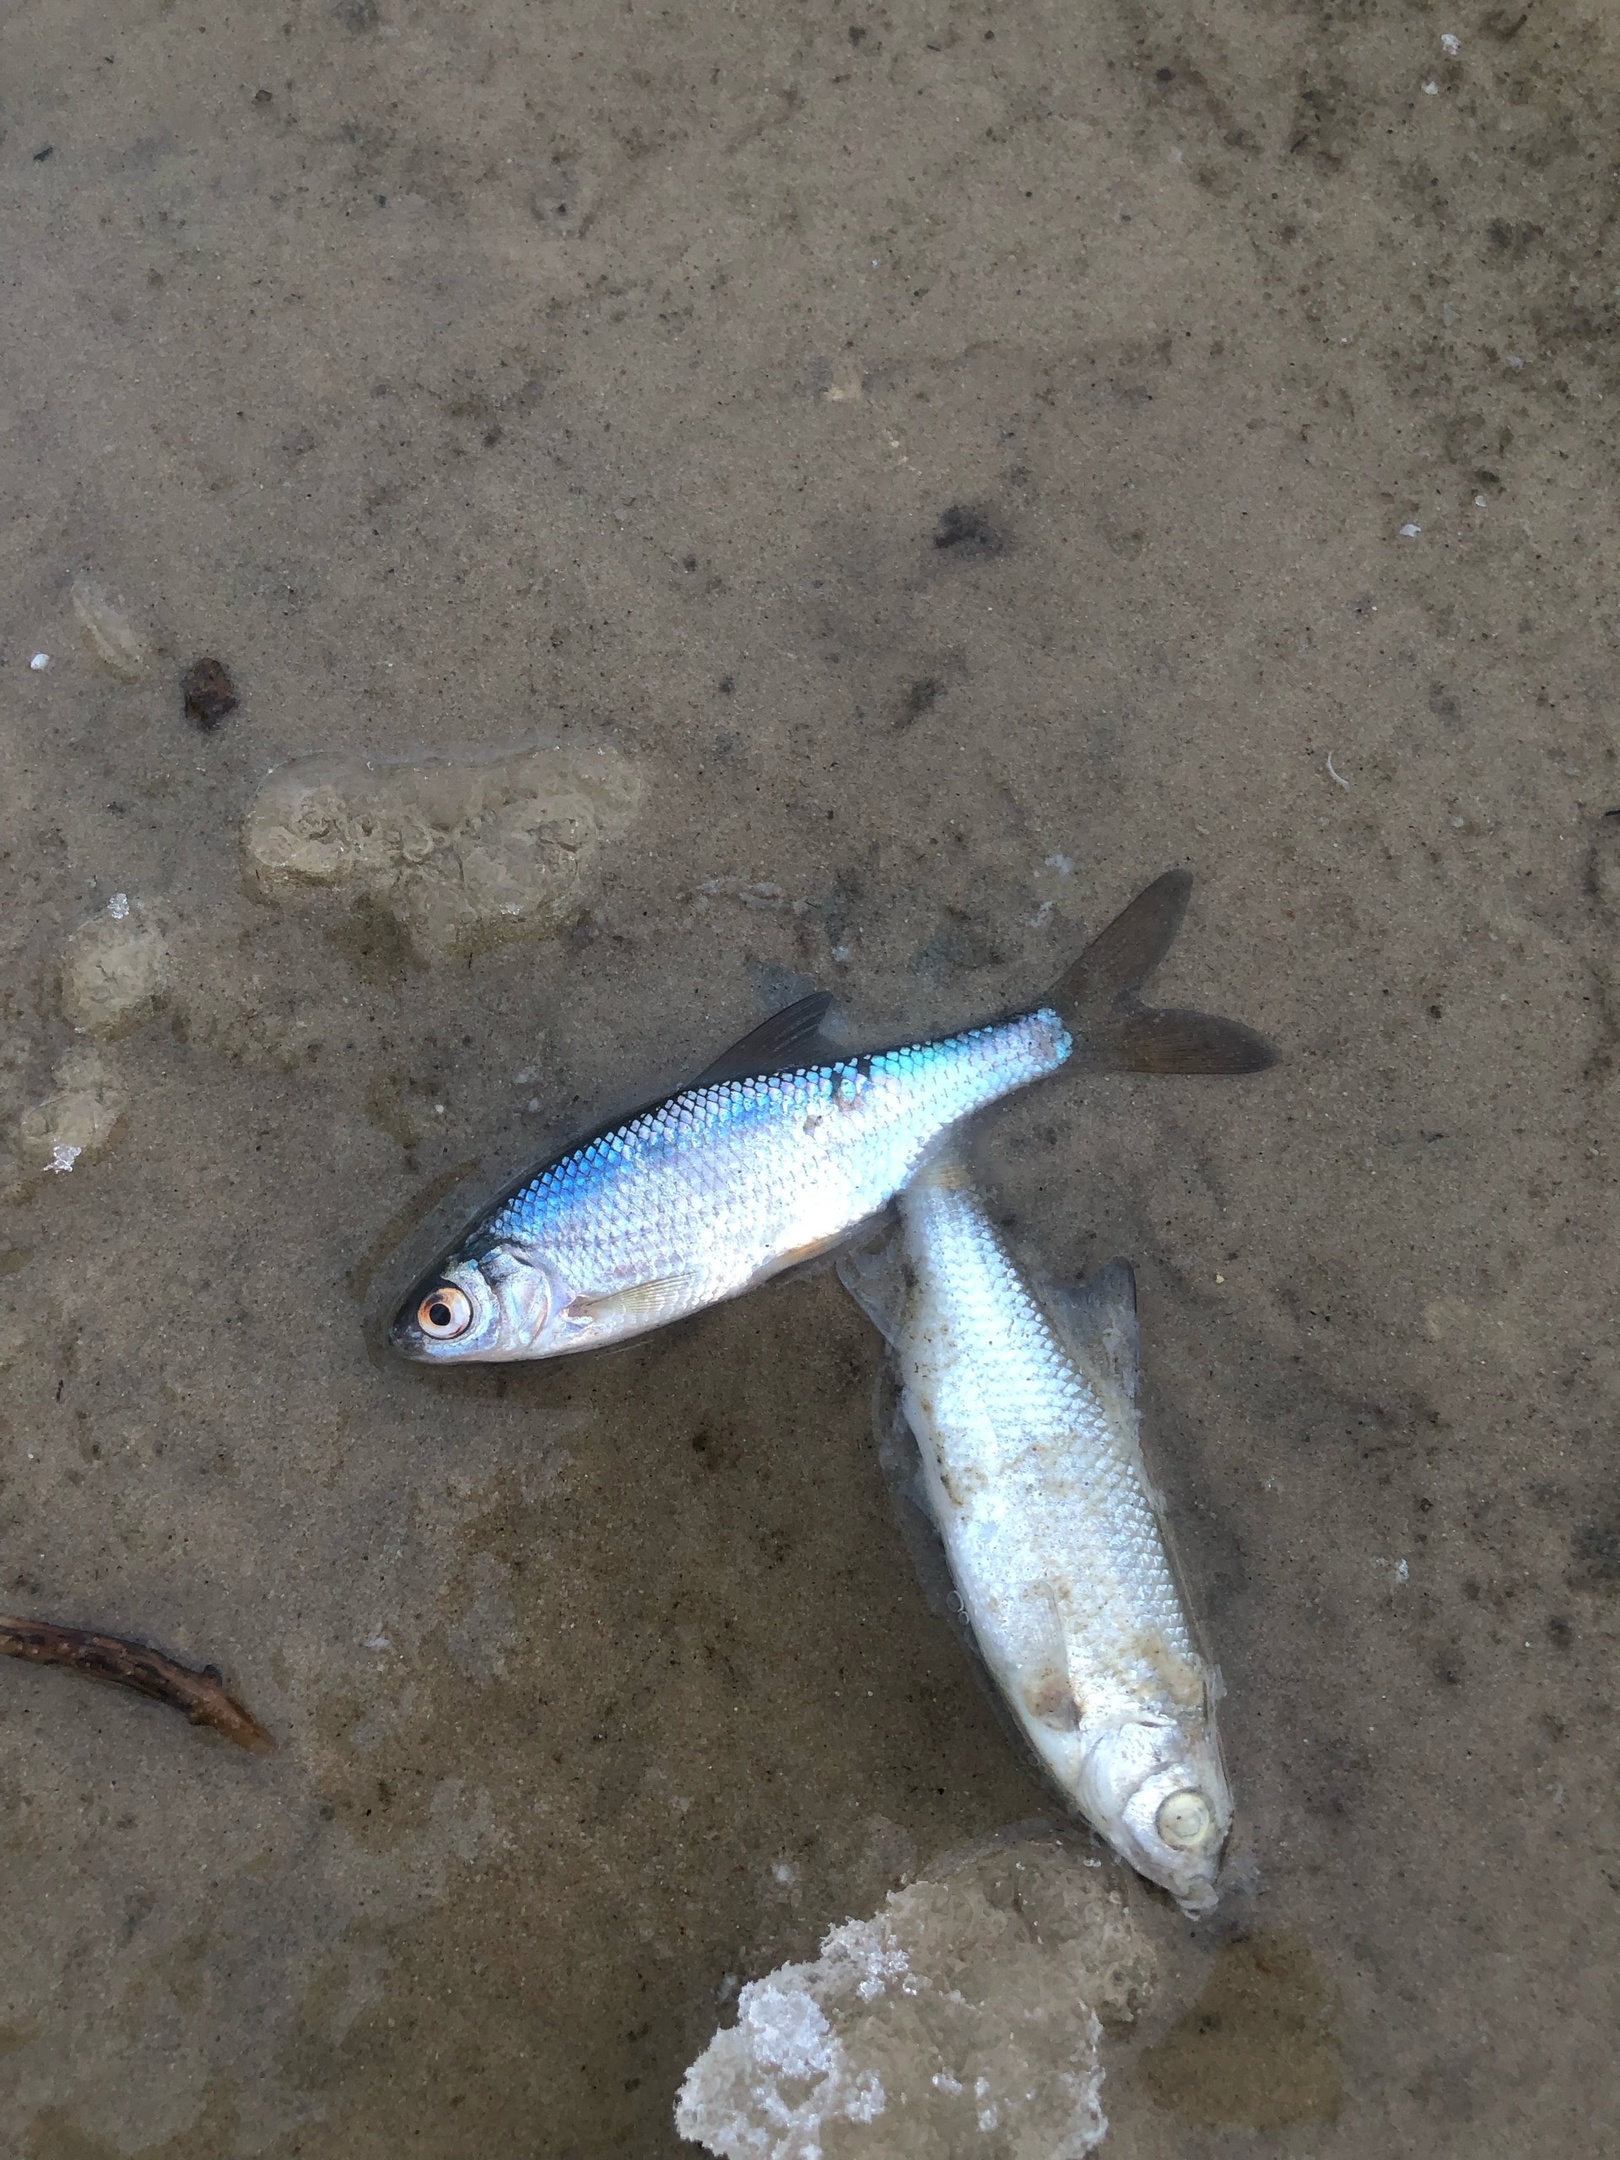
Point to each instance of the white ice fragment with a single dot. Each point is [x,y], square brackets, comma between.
[790,2030]
[956,2024]
[1410,532]
[1515,360]
[116,968]
[376,1642]
[79,1120]
[40,662]
[1042,916]
[1449,43]
[1431,89]
[1479,502]
[1333,774]
[1062,864]
[1403,1572]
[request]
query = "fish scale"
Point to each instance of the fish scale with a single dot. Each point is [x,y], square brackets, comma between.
[720,1180]
[1016,1404]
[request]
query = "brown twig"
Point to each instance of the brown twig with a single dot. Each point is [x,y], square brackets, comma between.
[201,1695]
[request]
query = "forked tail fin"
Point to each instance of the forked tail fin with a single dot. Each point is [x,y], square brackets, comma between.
[1114,1032]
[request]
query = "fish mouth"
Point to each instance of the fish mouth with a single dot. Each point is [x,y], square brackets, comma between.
[405,1337]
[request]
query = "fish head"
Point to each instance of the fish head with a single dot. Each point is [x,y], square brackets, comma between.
[1157,1791]
[484,1304]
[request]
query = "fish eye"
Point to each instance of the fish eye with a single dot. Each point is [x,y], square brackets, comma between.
[1185,1820]
[445,1313]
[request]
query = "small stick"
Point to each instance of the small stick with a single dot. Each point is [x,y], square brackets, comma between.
[201,1695]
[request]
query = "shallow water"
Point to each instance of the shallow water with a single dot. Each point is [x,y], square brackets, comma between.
[959,461]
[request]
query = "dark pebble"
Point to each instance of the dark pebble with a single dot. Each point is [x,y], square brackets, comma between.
[208,691]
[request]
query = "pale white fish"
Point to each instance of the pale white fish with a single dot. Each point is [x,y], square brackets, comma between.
[1023,1408]
[778,1152]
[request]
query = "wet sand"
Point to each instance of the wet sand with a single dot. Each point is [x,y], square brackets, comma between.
[964,461]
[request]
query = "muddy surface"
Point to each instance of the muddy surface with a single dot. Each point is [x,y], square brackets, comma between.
[954,462]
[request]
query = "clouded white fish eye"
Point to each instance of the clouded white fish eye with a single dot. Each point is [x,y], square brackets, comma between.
[1184,1820]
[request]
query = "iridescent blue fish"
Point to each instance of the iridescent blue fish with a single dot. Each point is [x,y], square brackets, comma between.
[779,1152]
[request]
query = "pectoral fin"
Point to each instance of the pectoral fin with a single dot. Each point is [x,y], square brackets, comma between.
[874,1274]
[1097,1322]
[1048,1691]
[643,1304]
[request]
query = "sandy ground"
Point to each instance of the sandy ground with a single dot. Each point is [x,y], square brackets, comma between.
[964,458]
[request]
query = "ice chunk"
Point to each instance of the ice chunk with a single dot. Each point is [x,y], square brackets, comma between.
[960,2020]
[116,968]
[461,852]
[78,1121]
[112,639]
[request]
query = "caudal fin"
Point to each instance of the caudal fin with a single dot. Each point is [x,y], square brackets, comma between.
[1114,1032]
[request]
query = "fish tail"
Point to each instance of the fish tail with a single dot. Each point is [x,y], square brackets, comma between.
[1114,1032]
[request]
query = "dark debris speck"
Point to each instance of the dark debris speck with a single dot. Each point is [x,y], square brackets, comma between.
[208,691]
[968,533]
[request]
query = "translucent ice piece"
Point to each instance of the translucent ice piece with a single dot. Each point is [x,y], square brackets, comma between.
[959,2023]
[112,639]
[79,1121]
[461,851]
[116,968]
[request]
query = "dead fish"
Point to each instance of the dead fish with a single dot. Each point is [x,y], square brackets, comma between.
[1023,1408]
[777,1153]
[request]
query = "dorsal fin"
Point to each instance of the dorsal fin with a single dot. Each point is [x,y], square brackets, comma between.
[1098,1322]
[786,1041]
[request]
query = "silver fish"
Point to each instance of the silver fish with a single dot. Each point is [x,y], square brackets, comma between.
[776,1154]
[1023,1409]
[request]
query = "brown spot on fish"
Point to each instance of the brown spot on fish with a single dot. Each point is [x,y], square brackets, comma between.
[1183,1679]
[1051,1699]
[201,1695]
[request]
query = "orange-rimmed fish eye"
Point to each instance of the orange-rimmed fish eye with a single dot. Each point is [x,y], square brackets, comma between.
[445,1313]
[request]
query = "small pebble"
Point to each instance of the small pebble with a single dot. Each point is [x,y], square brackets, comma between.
[208,691]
